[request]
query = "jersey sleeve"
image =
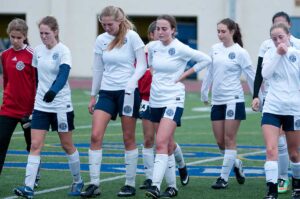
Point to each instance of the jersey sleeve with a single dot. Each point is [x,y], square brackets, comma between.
[66,57]
[135,40]
[98,49]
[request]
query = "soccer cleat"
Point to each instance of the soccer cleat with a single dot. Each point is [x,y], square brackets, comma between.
[152,192]
[24,191]
[296,194]
[147,184]
[184,176]
[271,191]
[238,171]
[91,191]
[126,191]
[76,189]
[296,188]
[283,185]
[220,184]
[170,192]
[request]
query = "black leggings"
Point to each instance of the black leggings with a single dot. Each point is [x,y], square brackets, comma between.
[7,127]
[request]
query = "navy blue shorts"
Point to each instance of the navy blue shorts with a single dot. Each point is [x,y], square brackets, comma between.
[145,110]
[174,113]
[60,122]
[234,111]
[288,122]
[114,102]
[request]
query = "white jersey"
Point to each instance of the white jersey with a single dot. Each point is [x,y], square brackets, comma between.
[224,73]
[283,75]
[269,44]
[118,62]
[168,63]
[47,62]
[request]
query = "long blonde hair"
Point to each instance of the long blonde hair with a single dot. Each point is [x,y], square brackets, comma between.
[125,25]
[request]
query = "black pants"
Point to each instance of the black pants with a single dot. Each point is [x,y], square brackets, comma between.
[7,127]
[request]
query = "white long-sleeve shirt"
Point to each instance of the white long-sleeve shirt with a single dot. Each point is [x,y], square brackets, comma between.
[283,75]
[224,73]
[168,63]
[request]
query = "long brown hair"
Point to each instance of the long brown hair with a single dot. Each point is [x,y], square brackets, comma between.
[125,25]
[232,25]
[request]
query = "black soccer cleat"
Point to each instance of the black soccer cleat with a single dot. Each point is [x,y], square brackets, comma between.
[152,192]
[147,184]
[126,191]
[272,192]
[91,191]
[295,188]
[239,172]
[220,184]
[170,192]
[184,176]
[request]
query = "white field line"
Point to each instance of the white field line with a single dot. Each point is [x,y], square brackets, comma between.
[123,176]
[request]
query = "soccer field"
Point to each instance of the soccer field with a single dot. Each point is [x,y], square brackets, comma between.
[194,136]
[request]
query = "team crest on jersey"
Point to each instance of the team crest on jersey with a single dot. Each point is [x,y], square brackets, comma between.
[297,123]
[55,56]
[127,109]
[230,113]
[169,112]
[171,51]
[231,55]
[292,58]
[63,126]
[20,65]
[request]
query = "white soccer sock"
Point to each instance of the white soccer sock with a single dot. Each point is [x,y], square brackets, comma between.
[271,170]
[170,173]
[295,170]
[131,158]
[160,166]
[74,165]
[148,158]
[95,159]
[228,161]
[32,167]
[179,156]
[283,158]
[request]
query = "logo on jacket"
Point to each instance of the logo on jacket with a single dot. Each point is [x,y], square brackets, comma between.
[171,51]
[20,65]
[231,55]
[55,56]
[292,58]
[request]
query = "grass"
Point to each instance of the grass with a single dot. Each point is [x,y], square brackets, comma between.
[196,129]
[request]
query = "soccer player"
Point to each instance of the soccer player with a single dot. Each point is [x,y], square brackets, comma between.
[283,158]
[281,69]
[168,58]
[149,131]
[52,107]
[116,52]
[19,87]
[228,106]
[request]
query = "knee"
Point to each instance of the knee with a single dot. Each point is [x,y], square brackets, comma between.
[35,146]
[148,143]
[68,148]
[272,154]
[294,156]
